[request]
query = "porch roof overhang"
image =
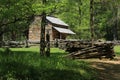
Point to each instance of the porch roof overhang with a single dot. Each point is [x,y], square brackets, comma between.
[64,30]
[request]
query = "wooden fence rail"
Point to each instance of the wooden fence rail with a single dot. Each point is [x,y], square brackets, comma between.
[85,50]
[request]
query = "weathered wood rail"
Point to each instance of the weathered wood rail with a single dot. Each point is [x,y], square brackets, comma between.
[84,49]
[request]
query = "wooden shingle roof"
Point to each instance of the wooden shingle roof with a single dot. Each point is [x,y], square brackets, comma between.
[64,30]
[56,21]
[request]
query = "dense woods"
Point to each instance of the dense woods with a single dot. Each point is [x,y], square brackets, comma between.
[17,14]
[98,19]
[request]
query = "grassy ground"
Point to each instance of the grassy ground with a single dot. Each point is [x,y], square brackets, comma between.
[26,64]
[117,50]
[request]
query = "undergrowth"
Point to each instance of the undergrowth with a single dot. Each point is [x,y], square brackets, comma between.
[27,64]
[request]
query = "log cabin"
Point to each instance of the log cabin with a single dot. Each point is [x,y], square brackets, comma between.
[57,28]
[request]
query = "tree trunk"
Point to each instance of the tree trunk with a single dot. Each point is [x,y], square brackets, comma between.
[47,44]
[13,36]
[115,27]
[118,22]
[26,38]
[1,39]
[42,37]
[92,21]
[80,12]
[26,32]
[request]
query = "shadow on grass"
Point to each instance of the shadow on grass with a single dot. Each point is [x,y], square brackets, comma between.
[24,52]
[118,53]
[52,54]
[21,71]
[108,71]
[1,50]
[28,65]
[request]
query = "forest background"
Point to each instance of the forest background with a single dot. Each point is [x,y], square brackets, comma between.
[16,16]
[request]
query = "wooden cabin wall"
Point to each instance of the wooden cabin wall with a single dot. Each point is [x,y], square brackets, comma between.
[49,28]
[34,30]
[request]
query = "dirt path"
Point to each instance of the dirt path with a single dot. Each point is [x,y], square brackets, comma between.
[107,69]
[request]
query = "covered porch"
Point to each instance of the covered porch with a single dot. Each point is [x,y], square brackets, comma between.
[61,33]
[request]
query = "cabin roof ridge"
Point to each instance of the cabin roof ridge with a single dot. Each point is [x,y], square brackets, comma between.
[56,20]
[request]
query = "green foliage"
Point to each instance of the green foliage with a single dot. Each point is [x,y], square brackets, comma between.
[106,19]
[27,64]
[76,14]
[106,14]
[14,16]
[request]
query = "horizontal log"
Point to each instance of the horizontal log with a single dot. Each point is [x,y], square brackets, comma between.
[82,49]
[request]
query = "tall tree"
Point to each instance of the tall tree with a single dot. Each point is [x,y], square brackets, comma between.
[92,20]
[47,44]
[14,12]
[42,37]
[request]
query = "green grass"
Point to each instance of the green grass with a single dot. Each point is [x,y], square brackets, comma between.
[26,64]
[117,50]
